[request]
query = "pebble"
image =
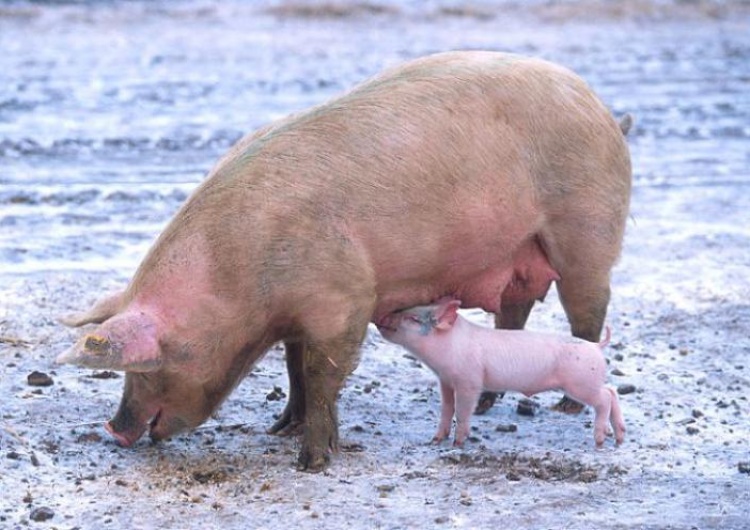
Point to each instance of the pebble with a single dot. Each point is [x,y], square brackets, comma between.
[625,389]
[39,379]
[527,407]
[510,427]
[276,394]
[41,514]
[744,467]
[105,374]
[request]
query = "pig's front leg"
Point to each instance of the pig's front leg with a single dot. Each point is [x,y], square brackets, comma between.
[447,407]
[466,399]
[292,419]
[327,362]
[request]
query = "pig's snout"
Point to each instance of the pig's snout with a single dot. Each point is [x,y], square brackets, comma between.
[125,429]
[163,427]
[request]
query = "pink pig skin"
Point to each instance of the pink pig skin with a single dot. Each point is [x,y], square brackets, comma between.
[468,359]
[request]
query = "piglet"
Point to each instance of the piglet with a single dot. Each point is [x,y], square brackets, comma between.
[468,359]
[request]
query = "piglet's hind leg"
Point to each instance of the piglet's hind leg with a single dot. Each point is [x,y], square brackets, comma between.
[602,408]
[618,423]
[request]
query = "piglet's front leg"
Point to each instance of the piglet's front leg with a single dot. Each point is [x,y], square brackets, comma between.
[447,407]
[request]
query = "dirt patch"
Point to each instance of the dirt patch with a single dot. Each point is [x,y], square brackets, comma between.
[548,468]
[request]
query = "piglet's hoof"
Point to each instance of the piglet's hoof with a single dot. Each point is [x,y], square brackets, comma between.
[568,406]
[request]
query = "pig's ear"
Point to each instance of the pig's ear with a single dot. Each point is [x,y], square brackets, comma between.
[446,314]
[127,342]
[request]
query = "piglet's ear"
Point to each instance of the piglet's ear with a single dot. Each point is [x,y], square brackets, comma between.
[446,314]
[127,342]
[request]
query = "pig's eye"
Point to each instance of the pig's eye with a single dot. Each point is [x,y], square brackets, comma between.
[414,319]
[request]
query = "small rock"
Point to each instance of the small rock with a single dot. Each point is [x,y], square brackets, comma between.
[625,389]
[276,394]
[744,467]
[697,414]
[89,437]
[41,514]
[527,407]
[105,374]
[617,372]
[692,430]
[39,379]
[510,427]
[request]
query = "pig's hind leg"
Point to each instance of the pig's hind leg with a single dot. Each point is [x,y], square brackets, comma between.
[583,259]
[511,316]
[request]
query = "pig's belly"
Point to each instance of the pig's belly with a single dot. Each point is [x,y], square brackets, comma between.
[484,291]
[525,278]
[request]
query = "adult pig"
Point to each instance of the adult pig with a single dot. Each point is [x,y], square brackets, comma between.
[479,175]
[469,359]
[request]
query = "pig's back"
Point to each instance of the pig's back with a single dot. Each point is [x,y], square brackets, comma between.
[436,172]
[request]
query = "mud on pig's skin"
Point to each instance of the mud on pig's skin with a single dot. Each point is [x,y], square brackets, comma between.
[480,175]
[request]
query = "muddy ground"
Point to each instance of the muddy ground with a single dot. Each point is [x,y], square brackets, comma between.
[111,112]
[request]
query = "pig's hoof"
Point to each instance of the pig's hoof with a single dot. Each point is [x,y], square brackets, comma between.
[568,406]
[288,424]
[485,403]
[312,462]
[287,427]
